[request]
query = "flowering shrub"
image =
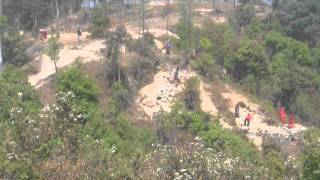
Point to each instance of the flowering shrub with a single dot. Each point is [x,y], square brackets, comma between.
[16,92]
[196,161]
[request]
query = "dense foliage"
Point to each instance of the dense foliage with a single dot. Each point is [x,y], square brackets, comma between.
[74,81]
[269,64]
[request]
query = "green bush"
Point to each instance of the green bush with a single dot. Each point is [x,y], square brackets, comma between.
[100,23]
[220,36]
[191,94]
[45,150]
[120,97]
[200,124]
[274,160]
[75,81]
[205,65]
[224,140]
[14,49]
[312,136]
[311,164]
[248,59]
[16,92]
[20,169]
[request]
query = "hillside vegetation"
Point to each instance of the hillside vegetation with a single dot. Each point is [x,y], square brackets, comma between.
[94,126]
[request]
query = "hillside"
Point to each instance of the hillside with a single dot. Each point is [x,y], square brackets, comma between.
[115,104]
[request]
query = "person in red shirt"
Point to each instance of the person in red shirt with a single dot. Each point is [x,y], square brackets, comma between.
[282,113]
[291,121]
[247,120]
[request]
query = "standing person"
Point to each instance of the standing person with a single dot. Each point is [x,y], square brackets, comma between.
[291,120]
[237,110]
[247,120]
[168,47]
[282,113]
[45,34]
[42,34]
[79,33]
[176,75]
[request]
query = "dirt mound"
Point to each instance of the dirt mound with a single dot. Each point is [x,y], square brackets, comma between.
[206,103]
[160,94]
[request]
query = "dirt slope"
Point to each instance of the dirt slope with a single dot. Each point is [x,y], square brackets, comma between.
[89,51]
[161,93]
[258,123]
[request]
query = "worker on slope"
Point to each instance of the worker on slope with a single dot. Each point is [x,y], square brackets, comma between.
[237,110]
[282,114]
[168,47]
[291,120]
[79,33]
[176,75]
[247,120]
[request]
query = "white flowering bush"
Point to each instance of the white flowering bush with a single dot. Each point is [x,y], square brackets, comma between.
[15,91]
[81,85]
[196,161]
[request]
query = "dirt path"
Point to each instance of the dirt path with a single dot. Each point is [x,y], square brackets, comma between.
[207,105]
[258,123]
[161,93]
[68,54]
[156,32]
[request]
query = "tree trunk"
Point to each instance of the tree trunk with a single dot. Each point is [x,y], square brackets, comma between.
[1,59]
[213,6]
[18,21]
[189,31]
[143,26]
[57,9]
[55,66]
[168,15]
[70,8]
[143,36]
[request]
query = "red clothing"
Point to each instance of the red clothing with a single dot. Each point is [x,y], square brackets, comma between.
[248,117]
[291,121]
[282,113]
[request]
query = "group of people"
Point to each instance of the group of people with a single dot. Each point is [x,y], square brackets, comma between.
[282,114]
[247,119]
[44,34]
[283,117]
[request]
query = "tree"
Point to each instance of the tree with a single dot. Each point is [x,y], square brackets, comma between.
[243,16]
[115,41]
[301,19]
[186,30]
[204,64]
[248,59]
[311,155]
[2,22]
[220,37]
[100,23]
[53,50]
